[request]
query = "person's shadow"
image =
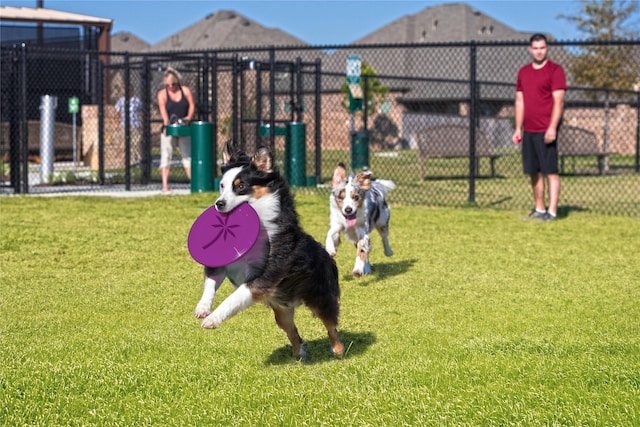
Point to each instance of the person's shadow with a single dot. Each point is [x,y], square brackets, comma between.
[565,211]
[319,351]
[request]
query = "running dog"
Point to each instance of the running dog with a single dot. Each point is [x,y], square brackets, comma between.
[288,268]
[357,206]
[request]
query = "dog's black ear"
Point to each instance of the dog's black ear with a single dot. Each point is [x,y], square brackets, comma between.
[263,160]
[227,152]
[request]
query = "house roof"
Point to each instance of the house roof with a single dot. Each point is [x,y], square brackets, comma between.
[225,29]
[457,22]
[34,15]
[436,27]
[50,16]
[124,41]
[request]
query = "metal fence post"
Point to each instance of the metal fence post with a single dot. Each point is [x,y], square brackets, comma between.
[258,67]
[318,122]
[15,92]
[24,146]
[214,111]
[234,102]
[100,91]
[145,161]
[638,134]
[127,123]
[473,85]
[272,98]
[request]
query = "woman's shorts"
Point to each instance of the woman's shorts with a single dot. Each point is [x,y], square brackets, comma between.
[166,150]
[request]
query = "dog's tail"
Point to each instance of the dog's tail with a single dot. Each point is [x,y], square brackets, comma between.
[385,185]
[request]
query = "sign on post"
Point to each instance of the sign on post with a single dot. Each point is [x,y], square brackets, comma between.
[354,66]
[74,105]
[354,62]
[74,108]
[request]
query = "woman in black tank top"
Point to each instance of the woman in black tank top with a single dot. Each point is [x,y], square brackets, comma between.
[176,109]
[175,102]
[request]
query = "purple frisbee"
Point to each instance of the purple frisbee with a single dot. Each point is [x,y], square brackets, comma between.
[218,239]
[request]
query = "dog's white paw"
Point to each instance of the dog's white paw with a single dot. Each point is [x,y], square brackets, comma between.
[362,269]
[302,355]
[332,253]
[211,322]
[202,310]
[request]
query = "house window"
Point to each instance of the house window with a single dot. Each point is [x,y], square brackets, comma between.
[484,30]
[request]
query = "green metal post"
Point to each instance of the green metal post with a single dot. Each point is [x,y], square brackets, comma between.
[360,150]
[295,154]
[202,155]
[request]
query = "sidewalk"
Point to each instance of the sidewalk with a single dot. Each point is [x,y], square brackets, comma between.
[102,191]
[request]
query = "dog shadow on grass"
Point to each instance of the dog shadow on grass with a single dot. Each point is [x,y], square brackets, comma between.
[381,271]
[319,351]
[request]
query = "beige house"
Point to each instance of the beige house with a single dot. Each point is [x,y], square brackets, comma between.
[439,27]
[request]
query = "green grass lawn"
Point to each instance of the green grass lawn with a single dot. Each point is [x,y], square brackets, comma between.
[480,318]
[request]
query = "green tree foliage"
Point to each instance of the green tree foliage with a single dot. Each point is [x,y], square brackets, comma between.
[603,66]
[375,91]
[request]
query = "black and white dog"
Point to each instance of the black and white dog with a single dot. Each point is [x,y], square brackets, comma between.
[285,268]
[357,206]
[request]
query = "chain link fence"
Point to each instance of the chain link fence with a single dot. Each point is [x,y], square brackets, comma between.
[436,118]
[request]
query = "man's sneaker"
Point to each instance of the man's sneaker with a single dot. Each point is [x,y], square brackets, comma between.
[547,217]
[536,215]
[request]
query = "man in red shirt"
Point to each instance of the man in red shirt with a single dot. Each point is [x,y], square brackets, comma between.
[540,89]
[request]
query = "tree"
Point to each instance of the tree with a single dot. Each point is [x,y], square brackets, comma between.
[606,66]
[375,91]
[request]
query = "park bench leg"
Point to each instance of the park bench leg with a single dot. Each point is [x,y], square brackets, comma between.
[601,165]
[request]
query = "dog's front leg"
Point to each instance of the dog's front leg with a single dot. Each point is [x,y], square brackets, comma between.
[362,265]
[211,285]
[333,240]
[239,300]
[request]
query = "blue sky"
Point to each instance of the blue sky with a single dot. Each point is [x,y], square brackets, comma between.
[316,22]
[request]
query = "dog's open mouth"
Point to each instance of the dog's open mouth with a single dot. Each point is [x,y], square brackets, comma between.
[351,219]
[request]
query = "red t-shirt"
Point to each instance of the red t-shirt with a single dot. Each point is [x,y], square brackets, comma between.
[537,87]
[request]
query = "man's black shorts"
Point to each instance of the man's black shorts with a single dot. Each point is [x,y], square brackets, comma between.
[538,156]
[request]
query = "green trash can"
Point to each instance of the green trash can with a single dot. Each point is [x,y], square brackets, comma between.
[295,154]
[360,150]
[202,157]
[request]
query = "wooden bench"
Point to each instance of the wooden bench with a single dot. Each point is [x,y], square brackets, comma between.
[578,142]
[449,141]
[62,144]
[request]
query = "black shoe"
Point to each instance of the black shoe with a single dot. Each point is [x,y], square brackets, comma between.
[534,214]
[548,217]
